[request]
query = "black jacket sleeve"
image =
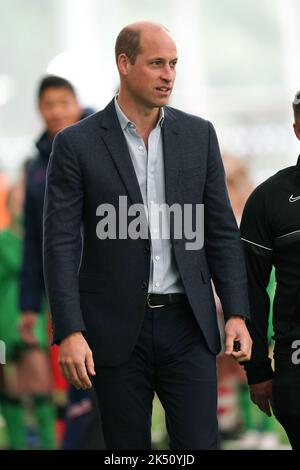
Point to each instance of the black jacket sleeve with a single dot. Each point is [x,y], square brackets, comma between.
[62,223]
[256,231]
[31,281]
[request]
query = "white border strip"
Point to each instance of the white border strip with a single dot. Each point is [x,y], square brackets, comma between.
[287,234]
[256,244]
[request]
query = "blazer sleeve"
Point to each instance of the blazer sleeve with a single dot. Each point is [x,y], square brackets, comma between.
[61,225]
[222,238]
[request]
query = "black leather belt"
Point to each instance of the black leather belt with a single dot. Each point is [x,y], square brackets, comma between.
[161,300]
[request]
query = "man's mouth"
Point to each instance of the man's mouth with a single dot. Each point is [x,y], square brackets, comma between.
[163,89]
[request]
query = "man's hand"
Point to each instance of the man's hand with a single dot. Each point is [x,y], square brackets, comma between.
[76,360]
[26,326]
[261,395]
[236,331]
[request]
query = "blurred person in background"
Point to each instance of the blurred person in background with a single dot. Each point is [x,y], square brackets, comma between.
[270,230]
[236,413]
[17,380]
[11,391]
[230,374]
[59,108]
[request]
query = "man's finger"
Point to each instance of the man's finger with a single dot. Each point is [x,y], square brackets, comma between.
[244,352]
[90,363]
[82,375]
[246,346]
[229,344]
[70,373]
[64,372]
[241,356]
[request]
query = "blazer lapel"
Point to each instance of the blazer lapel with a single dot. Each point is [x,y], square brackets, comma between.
[172,153]
[115,141]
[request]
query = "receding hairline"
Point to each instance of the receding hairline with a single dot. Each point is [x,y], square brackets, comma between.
[129,38]
[146,25]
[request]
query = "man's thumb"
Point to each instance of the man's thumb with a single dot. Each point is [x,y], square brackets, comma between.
[229,345]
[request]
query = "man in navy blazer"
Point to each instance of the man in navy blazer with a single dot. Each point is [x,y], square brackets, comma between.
[138,315]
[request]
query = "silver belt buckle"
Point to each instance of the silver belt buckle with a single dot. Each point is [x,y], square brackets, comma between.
[152,306]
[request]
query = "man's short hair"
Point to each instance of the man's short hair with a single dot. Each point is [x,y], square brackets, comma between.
[53,81]
[296,106]
[128,42]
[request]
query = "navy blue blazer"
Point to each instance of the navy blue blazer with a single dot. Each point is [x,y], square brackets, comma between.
[106,296]
[32,289]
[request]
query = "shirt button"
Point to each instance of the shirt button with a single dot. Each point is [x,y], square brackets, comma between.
[157,284]
[131,125]
[157,258]
[155,230]
[141,147]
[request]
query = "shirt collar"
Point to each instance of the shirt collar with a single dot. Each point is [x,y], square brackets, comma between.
[125,122]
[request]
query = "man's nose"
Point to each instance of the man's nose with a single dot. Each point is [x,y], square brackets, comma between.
[167,73]
[58,110]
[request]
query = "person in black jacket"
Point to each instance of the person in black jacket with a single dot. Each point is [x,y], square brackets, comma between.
[270,231]
[59,108]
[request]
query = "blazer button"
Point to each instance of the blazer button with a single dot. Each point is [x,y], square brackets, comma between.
[147,249]
[144,285]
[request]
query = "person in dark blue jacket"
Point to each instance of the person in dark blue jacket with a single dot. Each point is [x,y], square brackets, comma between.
[59,108]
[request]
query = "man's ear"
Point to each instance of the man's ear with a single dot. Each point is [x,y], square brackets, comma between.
[123,64]
[296,127]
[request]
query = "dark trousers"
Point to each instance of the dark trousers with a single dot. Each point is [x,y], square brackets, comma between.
[286,394]
[170,358]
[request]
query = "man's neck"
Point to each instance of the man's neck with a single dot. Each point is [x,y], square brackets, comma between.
[144,118]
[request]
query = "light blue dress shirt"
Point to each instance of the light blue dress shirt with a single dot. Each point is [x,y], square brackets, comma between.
[149,168]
